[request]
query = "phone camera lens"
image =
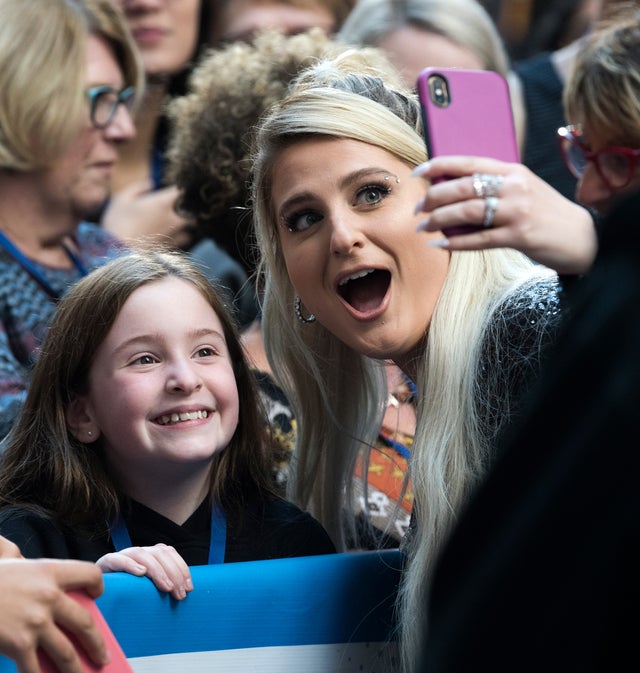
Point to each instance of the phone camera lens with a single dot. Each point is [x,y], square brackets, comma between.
[439,90]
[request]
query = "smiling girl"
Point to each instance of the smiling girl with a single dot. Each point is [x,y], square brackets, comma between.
[141,445]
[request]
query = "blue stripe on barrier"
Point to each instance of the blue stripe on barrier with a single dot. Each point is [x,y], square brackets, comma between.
[315,600]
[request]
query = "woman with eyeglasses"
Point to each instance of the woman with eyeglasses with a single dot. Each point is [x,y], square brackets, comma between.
[170,36]
[601,147]
[64,113]
[602,99]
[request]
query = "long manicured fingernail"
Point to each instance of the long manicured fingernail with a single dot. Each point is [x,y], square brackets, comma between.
[422,226]
[419,206]
[438,243]
[421,169]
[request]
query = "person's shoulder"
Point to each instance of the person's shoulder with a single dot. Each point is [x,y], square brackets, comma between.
[93,231]
[269,527]
[39,534]
[23,515]
[28,528]
[285,511]
[300,527]
[11,273]
[618,230]
[538,70]
[533,304]
[94,239]
[523,327]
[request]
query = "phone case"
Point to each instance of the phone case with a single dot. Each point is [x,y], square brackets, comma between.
[118,663]
[467,112]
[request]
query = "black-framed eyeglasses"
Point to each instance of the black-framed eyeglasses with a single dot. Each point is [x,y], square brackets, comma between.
[615,165]
[104,102]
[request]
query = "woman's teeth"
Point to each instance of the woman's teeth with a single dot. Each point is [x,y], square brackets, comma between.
[355,276]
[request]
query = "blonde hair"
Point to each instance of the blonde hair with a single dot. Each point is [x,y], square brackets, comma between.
[209,150]
[338,394]
[42,69]
[603,88]
[465,22]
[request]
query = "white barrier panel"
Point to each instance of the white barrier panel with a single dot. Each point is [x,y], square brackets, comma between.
[317,614]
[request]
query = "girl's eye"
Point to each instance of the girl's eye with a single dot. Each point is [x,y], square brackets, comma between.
[144,360]
[372,194]
[205,352]
[302,221]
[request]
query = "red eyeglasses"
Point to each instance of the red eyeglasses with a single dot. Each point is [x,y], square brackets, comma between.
[615,165]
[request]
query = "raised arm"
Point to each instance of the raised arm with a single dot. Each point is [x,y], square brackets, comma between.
[526,212]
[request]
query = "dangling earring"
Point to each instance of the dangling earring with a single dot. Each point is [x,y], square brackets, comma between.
[297,304]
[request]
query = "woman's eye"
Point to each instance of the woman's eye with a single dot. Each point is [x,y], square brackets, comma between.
[372,194]
[302,221]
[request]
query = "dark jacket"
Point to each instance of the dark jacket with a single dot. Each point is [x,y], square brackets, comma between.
[266,529]
[541,573]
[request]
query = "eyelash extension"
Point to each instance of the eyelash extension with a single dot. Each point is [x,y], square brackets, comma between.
[290,219]
[384,189]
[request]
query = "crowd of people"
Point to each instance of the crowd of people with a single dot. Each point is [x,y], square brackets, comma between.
[234,293]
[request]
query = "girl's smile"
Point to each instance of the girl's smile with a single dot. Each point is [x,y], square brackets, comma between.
[162,386]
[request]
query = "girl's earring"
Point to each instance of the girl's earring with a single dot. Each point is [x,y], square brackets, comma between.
[297,307]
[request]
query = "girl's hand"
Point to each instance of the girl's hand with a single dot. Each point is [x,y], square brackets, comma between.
[161,564]
[530,215]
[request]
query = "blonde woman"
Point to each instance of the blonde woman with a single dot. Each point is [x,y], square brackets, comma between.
[352,281]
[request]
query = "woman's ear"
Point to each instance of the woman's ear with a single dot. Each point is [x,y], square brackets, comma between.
[80,420]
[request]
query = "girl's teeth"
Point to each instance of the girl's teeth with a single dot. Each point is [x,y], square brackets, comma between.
[186,416]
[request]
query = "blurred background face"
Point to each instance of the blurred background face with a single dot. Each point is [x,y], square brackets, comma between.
[166,32]
[80,180]
[242,19]
[600,187]
[411,49]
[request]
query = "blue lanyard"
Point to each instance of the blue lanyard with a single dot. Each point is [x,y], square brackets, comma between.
[217,540]
[31,268]
[399,448]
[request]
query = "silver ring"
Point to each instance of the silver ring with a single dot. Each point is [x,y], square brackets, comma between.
[487,184]
[490,207]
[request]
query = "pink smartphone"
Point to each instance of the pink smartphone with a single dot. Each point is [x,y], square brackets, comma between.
[467,112]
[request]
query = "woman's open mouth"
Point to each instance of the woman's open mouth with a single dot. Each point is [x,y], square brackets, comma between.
[365,290]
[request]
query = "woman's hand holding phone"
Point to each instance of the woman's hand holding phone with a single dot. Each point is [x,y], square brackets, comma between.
[481,196]
[531,216]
